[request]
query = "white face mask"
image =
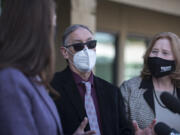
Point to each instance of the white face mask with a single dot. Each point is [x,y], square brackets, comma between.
[85,60]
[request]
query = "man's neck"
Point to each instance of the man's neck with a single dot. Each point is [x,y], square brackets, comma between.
[84,75]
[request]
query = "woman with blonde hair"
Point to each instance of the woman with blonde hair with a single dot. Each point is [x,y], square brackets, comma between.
[160,73]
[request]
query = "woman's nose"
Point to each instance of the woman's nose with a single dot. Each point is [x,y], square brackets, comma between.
[160,55]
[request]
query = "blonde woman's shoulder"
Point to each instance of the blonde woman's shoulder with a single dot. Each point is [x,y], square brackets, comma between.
[133,81]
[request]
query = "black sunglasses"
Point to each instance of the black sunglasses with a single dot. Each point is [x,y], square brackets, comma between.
[80,46]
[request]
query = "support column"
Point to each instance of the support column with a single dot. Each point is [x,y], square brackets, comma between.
[84,12]
[121,65]
[63,21]
[122,41]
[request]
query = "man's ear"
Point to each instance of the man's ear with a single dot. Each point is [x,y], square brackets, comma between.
[64,52]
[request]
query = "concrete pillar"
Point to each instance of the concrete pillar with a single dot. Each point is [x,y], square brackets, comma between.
[63,21]
[121,46]
[84,12]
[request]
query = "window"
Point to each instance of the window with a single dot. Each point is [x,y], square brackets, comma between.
[1,5]
[135,48]
[106,54]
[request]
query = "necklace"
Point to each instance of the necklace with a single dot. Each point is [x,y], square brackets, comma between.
[174,90]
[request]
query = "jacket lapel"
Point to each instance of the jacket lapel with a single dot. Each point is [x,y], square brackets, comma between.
[74,96]
[49,102]
[178,93]
[148,94]
[101,98]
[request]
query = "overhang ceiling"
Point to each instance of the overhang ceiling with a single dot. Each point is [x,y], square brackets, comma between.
[164,6]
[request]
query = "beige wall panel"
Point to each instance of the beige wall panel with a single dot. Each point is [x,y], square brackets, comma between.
[164,6]
[112,16]
[85,19]
[108,14]
[123,20]
[149,22]
[84,12]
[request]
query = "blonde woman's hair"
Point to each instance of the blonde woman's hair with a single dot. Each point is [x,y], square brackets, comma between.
[175,46]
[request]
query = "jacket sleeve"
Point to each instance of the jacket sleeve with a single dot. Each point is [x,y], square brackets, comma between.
[126,97]
[16,113]
[126,127]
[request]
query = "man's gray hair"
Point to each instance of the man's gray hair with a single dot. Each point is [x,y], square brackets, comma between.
[71,29]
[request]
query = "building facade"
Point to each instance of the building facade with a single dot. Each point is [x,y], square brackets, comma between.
[123,29]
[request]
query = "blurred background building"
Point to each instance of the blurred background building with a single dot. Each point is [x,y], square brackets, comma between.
[123,29]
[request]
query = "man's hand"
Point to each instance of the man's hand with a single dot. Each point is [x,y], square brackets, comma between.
[80,129]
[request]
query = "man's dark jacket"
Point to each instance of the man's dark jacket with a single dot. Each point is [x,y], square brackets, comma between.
[71,106]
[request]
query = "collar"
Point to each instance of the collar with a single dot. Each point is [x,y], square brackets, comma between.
[146,83]
[78,79]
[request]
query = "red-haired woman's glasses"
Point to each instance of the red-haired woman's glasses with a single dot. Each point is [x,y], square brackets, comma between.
[80,46]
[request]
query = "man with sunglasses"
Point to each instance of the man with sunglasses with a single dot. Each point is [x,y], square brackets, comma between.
[106,115]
